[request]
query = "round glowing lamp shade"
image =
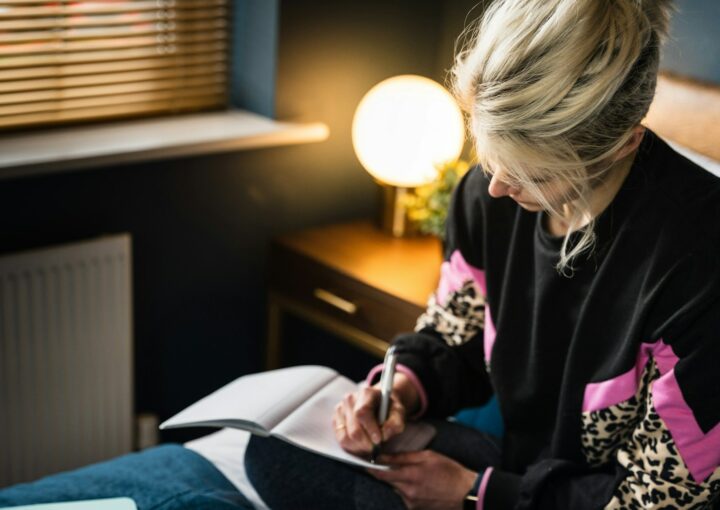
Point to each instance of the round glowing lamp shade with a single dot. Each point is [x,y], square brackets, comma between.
[404,127]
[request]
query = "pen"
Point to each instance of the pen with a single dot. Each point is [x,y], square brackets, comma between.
[386,383]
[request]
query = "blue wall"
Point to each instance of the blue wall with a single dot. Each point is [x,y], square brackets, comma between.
[694,45]
[201,225]
[254,55]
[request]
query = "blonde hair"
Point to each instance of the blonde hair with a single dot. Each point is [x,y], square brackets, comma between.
[556,87]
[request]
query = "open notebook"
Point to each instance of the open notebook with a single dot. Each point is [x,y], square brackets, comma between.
[293,404]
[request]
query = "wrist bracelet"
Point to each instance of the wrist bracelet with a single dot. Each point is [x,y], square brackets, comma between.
[471,498]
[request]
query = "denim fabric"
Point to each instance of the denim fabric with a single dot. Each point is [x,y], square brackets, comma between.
[486,418]
[287,477]
[168,477]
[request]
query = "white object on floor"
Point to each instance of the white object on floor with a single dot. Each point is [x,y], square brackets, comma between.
[90,504]
[706,162]
[225,449]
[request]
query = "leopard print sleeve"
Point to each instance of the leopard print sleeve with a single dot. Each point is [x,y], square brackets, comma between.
[670,461]
[649,436]
[458,310]
[446,349]
[660,421]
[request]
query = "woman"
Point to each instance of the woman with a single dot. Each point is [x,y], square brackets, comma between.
[581,285]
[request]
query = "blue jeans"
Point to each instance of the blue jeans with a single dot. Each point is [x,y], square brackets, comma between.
[167,477]
[287,477]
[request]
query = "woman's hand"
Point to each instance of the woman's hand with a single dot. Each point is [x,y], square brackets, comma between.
[355,419]
[426,480]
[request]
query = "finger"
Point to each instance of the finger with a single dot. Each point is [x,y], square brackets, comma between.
[392,476]
[358,441]
[366,413]
[395,423]
[404,458]
[338,422]
[408,493]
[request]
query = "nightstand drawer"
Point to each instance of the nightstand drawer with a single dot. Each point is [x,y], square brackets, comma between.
[351,280]
[327,291]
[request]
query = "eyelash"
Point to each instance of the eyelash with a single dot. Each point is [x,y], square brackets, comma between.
[539,181]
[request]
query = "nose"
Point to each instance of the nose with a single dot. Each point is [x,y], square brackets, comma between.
[498,188]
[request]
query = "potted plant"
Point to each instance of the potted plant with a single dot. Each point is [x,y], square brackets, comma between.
[427,207]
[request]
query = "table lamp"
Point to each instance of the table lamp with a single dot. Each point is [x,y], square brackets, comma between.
[403,129]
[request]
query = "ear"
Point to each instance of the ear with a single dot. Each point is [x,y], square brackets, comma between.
[632,144]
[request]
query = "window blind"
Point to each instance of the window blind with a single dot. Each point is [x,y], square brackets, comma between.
[68,61]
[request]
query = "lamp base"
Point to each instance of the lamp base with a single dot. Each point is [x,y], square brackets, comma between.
[393,213]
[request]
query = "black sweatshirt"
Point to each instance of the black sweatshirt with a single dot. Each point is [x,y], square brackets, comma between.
[608,381]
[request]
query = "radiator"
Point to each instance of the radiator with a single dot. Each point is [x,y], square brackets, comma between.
[65,357]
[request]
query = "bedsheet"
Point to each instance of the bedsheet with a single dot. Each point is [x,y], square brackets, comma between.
[225,449]
[167,477]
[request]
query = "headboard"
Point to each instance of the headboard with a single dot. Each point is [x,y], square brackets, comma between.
[687,112]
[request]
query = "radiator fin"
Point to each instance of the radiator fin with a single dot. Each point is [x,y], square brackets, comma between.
[65,357]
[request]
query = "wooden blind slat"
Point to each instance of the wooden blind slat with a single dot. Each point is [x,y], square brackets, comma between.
[103,90]
[64,61]
[11,10]
[69,46]
[119,111]
[97,79]
[199,89]
[59,59]
[63,71]
[176,29]
[106,20]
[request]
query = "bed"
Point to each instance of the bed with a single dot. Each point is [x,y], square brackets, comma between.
[209,472]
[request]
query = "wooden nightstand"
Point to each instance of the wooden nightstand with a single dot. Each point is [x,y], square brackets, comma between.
[352,280]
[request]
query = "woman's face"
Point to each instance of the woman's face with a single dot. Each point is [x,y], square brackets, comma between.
[554,190]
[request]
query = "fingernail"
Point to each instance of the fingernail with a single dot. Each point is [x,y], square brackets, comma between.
[375,438]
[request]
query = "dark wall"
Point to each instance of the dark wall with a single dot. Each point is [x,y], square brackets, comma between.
[693,48]
[201,226]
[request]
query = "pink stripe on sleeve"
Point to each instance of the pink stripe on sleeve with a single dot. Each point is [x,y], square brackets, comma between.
[418,386]
[488,334]
[453,275]
[700,451]
[377,369]
[603,394]
[483,488]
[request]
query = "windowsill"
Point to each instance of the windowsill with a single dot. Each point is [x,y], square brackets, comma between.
[85,147]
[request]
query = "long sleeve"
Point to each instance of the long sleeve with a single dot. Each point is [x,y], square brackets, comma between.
[651,436]
[607,381]
[669,458]
[446,349]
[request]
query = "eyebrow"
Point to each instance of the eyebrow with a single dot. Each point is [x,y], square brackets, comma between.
[541,180]
[537,180]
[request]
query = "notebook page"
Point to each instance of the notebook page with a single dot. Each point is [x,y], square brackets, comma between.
[310,426]
[255,402]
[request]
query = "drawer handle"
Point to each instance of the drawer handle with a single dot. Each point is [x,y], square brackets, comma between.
[336,301]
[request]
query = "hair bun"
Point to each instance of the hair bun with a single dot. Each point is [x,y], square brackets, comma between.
[658,13]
